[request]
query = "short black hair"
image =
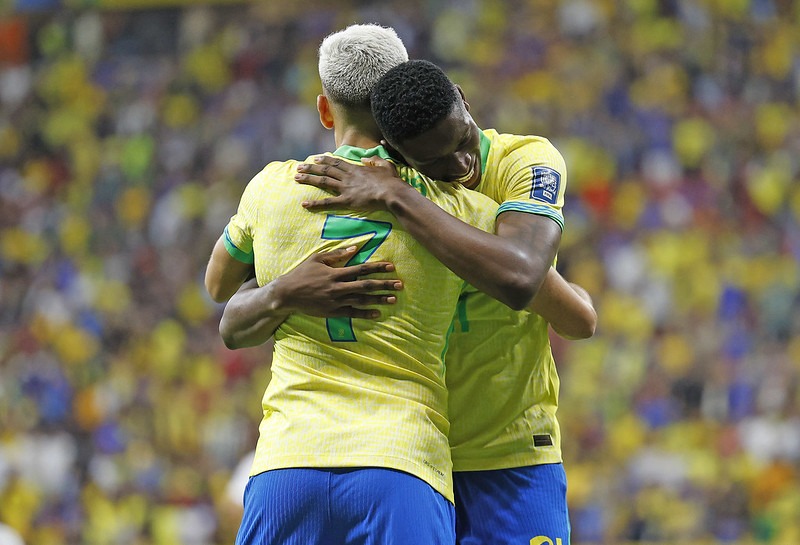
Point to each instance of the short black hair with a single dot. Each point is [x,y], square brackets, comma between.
[412,98]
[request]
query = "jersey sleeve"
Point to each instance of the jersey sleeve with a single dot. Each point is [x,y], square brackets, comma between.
[238,234]
[536,180]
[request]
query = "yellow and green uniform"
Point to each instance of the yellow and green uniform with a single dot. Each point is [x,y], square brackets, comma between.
[500,371]
[355,393]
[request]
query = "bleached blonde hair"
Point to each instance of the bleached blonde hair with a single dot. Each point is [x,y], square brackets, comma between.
[352,60]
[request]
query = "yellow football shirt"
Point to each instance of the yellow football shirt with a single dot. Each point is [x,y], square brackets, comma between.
[355,393]
[500,371]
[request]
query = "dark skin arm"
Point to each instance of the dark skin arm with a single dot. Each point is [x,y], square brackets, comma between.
[567,307]
[509,265]
[317,287]
[225,275]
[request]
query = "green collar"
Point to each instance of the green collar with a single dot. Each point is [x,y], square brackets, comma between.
[485,145]
[356,154]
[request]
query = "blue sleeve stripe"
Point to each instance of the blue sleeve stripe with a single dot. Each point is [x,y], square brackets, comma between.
[531,208]
[235,252]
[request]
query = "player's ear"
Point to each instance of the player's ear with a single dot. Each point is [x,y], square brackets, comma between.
[463,98]
[325,113]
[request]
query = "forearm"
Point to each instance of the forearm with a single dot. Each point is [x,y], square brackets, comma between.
[509,265]
[567,307]
[318,287]
[252,315]
[501,266]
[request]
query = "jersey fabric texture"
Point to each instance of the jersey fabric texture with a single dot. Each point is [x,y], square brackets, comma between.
[512,506]
[500,370]
[355,393]
[332,503]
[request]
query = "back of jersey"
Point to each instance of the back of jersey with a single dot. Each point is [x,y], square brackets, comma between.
[349,393]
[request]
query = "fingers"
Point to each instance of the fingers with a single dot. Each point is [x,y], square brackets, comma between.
[353,281]
[366,291]
[325,183]
[324,174]
[377,162]
[353,272]
[334,257]
[374,284]
[329,203]
[365,269]
[325,166]
[364,300]
[370,285]
[330,161]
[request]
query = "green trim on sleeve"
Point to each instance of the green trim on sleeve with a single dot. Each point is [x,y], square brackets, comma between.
[531,208]
[235,252]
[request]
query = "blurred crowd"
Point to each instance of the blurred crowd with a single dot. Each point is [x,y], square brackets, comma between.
[127,136]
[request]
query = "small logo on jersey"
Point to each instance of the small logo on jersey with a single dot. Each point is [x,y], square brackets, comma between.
[546,183]
[434,468]
[542,441]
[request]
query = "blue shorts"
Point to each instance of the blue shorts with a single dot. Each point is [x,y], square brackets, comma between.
[338,506]
[518,505]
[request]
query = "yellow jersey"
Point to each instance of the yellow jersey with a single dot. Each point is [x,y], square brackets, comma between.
[355,393]
[500,370]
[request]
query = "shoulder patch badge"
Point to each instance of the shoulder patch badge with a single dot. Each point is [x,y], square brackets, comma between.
[546,183]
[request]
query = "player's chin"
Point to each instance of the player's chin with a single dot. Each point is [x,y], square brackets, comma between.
[473,178]
[466,178]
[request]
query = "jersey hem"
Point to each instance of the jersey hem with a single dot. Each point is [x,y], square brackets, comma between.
[421,471]
[507,462]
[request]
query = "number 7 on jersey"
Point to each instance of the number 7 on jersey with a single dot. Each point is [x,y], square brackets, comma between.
[341,228]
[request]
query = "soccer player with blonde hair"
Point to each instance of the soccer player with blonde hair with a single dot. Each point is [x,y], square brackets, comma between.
[353,440]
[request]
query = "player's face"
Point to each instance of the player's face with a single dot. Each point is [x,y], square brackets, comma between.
[449,152]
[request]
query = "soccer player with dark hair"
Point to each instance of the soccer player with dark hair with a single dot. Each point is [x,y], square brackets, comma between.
[353,441]
[509,479]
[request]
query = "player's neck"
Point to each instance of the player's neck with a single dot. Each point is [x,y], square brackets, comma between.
[353,136]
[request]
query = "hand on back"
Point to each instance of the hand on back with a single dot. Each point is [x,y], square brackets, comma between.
[364,188]
[322,286]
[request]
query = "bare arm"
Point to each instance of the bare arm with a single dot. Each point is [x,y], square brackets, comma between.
[567,307]
[316,287]
[251,316]
[224,274]
[509,265]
